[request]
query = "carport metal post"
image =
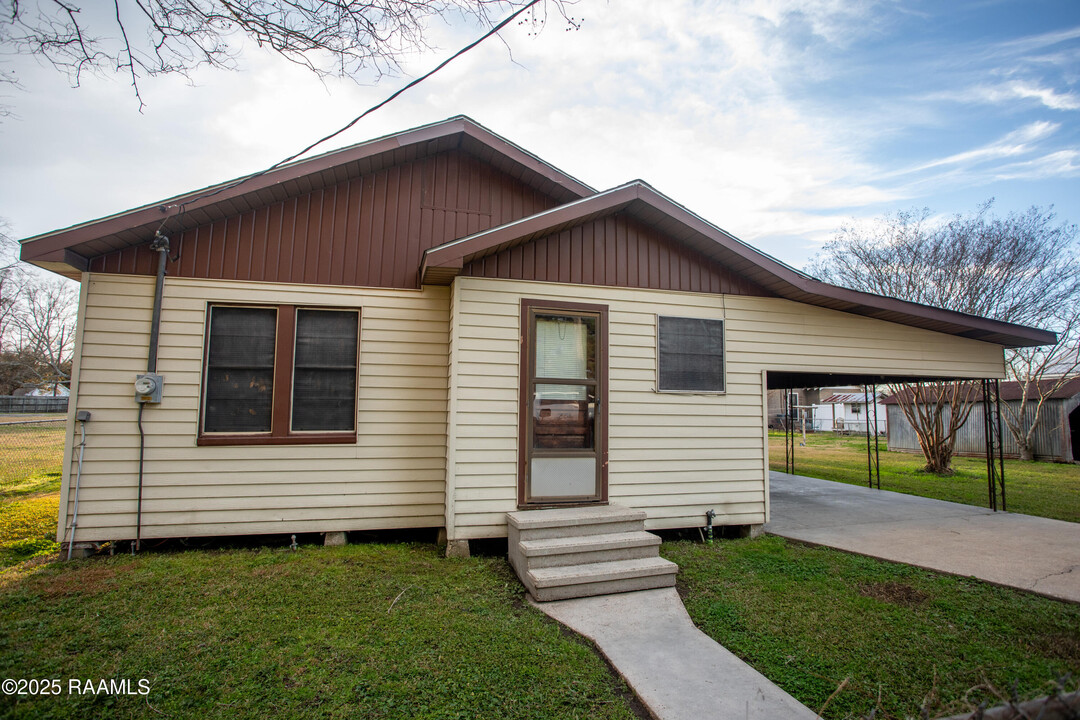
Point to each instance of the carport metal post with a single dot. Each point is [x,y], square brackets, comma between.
[995,442]
[789,434]
[873,465]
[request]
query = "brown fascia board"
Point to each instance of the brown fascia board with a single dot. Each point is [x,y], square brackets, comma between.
[452,255]
[782,279]
[46,250]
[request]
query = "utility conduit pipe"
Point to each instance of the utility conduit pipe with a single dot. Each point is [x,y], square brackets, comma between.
[160,245]
[81,416]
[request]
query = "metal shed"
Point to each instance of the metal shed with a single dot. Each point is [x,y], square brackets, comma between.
[1056,439]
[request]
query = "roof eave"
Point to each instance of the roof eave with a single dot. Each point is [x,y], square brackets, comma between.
[222,199]
[442,263]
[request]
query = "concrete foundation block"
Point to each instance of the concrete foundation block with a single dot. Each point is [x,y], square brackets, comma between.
[335,539]
[441,538]
[78,550]
[457,549]
[751,531]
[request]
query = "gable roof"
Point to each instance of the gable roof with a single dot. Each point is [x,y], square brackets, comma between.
[67,251]
[441,264]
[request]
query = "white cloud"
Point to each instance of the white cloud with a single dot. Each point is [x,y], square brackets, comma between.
[707,102]
[1008,93]
[1017,142]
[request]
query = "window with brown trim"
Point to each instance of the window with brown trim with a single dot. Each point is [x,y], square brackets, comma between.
[279,374]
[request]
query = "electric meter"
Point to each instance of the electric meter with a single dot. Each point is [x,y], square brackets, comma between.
[148,388]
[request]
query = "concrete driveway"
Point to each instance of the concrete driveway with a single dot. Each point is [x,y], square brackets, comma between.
[1021,551]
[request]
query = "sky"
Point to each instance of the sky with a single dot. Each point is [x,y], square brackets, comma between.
[778,121]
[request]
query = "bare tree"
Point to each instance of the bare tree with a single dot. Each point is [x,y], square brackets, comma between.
[1023,268]
[37,322]
[144,38]
[11,281]
[46,327]
[1040,373]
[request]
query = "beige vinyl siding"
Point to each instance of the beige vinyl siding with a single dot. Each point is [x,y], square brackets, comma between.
[392,477]
[673,455]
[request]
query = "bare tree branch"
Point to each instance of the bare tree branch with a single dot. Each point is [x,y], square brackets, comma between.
[146,38]
[37,323]
[1023,268]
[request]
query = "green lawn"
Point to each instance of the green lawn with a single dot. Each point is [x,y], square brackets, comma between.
[808,618]
[362,631]
[31,457]
[397,631]
[1034,488]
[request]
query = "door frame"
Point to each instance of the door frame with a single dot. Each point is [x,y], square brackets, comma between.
[526,339]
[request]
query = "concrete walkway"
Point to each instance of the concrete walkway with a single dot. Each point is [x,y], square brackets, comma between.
[677,671]
[1020,551]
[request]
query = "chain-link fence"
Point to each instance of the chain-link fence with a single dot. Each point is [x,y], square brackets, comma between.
[1064,706]
[30,446]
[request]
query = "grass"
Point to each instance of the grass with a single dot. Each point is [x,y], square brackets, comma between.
[34,451]
[397,631]
[31,457]
[1049,490]
[807,618]
[371,631]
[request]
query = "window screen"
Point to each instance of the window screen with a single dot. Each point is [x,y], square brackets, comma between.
[691,354]
[324,370]
[240,369]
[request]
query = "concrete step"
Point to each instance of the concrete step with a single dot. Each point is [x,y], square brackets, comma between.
[602,578]
[561,522]
[582,549]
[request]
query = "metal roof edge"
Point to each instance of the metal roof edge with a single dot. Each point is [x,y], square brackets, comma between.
[423,133]
[795,280]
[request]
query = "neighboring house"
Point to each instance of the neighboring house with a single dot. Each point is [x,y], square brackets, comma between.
[46,390]
[802,399]
[435,328]
[846,410]
[1056,438]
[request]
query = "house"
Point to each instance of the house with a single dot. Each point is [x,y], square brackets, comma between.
[436,328]
[849,410]
[1056,437]
[800,402]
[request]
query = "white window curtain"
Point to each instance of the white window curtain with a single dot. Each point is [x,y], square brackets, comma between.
[561,352]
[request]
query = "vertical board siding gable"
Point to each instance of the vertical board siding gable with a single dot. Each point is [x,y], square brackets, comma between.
[618,251]
[369,231]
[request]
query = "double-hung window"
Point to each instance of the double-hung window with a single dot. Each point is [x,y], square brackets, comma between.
[690,355]
[279,374]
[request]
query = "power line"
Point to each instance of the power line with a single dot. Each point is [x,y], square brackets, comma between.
[495,29]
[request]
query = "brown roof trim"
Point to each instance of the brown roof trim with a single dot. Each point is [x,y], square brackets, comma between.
[647,204]
[47,249]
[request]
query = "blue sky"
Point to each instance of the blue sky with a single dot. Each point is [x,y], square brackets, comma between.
[778,121]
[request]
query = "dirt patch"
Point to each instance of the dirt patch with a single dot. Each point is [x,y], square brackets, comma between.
[88,581]
[272,571]
[1061,645]
[894,592]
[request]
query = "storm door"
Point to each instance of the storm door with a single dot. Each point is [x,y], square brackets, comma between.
[562,453]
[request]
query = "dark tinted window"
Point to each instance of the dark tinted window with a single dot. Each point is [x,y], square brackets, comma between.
[324,370]
[691,354]
[240,369]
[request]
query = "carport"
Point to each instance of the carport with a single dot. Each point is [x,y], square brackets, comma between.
[1031,553]
[990,399]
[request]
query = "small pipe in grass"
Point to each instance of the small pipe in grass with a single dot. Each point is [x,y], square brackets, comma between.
[709,515]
